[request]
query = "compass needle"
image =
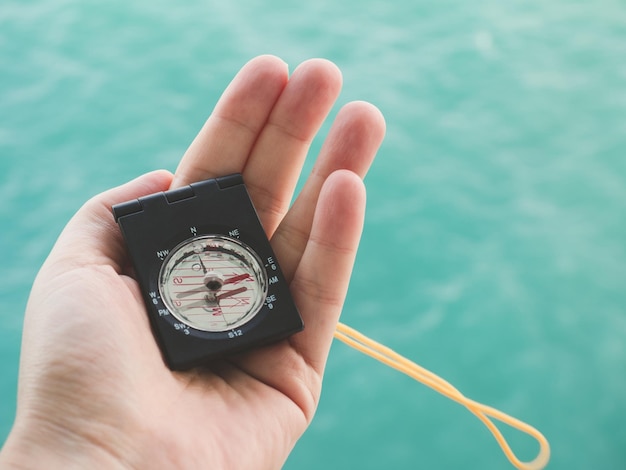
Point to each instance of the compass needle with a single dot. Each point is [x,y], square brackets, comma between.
[236,279]
[204,270]
[182,295]
[230,293]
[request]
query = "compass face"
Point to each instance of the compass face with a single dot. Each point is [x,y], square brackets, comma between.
[213,283]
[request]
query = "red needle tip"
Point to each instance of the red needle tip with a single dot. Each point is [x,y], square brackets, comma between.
[240,277]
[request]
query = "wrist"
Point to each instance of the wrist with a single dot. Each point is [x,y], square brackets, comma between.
[39,445]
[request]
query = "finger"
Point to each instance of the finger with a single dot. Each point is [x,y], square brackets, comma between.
[320,283]
[92,236]
[274,166]
[295,367]
[226,139]
[352,143]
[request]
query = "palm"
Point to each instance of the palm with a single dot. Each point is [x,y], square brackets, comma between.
[261,401]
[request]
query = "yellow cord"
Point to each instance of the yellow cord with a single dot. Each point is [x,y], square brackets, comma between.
[389,357]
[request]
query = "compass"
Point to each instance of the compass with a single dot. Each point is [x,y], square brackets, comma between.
[213,283]
[208,275]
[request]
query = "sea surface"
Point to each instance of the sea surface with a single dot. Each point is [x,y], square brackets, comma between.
[494,250]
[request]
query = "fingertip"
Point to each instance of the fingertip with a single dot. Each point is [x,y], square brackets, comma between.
[344,184]
[321,65]
[324,73]
[366,116]
[341,205]
[373,113]
[148,183]
[159,178]
[267,62]
[266,73]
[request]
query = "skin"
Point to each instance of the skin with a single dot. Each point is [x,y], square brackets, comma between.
[93,389]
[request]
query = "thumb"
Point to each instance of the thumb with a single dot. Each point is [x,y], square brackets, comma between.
[92,237]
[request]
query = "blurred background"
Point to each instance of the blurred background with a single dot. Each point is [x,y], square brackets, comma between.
[494,247]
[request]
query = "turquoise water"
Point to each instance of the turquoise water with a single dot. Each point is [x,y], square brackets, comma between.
[494,248]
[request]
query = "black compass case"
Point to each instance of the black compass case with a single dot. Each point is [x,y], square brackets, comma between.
[153,225]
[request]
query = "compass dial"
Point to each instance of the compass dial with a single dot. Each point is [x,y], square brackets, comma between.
[213,283]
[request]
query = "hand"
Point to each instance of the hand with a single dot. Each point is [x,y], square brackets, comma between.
[93,389]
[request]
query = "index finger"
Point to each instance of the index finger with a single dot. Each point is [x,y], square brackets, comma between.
[262,127]
[223,144]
